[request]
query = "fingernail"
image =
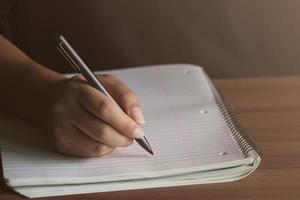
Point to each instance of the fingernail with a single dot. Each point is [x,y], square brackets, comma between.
[137,115]
[138,133]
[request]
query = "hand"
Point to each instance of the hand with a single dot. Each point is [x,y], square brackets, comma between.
[86,123]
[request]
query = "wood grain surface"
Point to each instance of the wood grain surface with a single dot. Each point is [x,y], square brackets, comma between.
[269,108]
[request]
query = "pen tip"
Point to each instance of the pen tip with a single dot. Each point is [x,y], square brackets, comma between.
[145,144]
[151,152]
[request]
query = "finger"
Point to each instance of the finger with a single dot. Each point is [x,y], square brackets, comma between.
[75,142]
[88,145]
[71,150]
[103,108]
[124,96]
[99,130]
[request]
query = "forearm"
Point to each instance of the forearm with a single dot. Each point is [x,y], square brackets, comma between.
[27,88]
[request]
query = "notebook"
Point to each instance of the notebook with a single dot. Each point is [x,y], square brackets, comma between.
[195,138]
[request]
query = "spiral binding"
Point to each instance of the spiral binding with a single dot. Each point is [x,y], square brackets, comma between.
[239,134]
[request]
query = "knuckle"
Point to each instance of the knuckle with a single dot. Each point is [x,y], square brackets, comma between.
[102,131]
[77,77]
[72,85]
[101,150]
[76,85]
[128,96]
[108,76]
[129,128]
[104,107]
[128,142]
[61,99]
[80,90]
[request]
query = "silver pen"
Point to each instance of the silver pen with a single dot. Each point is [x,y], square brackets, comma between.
[80,67]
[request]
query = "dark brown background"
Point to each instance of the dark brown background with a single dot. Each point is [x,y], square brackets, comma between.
[230,38]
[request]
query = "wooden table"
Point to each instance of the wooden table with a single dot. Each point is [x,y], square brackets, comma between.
[269,108]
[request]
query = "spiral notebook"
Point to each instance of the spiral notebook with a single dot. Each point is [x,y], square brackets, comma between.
[195,139]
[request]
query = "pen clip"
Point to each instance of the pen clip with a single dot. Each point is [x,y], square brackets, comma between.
[68,57]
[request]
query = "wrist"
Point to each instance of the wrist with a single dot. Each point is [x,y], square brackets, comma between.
[43,86]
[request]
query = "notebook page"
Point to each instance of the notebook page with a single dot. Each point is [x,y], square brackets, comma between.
[183,126]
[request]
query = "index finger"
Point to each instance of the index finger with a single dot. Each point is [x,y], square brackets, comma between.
[124,96]
[105,109]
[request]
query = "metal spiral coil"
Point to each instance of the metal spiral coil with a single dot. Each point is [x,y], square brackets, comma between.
[239,134]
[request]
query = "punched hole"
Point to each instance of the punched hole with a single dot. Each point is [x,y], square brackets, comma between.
[223,153]
[203,111]
[187,71]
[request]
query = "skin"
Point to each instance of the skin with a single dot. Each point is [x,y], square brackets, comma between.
[79,119]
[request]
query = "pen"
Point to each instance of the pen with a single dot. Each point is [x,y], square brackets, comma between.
[80,67]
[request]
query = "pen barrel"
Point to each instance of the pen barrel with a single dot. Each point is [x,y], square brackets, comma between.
[77,63]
